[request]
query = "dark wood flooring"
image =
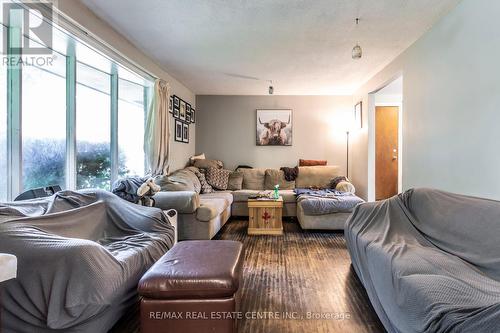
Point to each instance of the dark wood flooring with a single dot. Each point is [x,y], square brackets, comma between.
[294,276]
[297,274]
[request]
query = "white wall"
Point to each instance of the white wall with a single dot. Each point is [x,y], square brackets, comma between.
[451,104]
[85,17]
[226,129]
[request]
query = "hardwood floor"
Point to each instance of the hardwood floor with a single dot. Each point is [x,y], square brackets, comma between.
[292,275]
[299,273]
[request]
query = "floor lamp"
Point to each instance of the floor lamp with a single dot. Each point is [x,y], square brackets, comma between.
[347,152]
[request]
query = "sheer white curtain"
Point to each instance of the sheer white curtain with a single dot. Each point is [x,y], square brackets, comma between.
[157,134]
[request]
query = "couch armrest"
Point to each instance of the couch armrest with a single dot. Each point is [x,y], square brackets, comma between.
[184,202]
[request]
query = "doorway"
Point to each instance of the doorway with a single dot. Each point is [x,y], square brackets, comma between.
[386,151]
[385,140]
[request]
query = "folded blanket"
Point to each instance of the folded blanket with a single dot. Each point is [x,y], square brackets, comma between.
[319,192]
[323,202]
[126,188]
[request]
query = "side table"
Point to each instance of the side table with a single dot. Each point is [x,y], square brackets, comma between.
[265,216]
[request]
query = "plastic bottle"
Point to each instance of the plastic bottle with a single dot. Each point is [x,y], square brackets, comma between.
[276,193]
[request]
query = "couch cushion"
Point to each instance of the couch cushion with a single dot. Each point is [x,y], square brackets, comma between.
[210,208]
[218,178]
[253,179]
[226,195]
[235,181]
[180,180]
[316,176]
[184,202]
[242,195]
[275,176]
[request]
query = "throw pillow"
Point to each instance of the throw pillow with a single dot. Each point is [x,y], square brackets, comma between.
[344,186]
[205,186]
[218,178]
[312,162]
[277,177]
[205,164]
[192,159]
[235,181]
[253,179]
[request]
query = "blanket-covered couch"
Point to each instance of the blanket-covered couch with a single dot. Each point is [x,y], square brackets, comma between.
[80,256]
[429,260]
[201,215]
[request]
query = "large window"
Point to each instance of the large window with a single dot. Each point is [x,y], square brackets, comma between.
[131,118]
[93,128]
[81,118]
[3,125]
[44,124]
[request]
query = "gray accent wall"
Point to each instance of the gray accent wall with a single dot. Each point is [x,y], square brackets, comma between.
[226,129]
[451,106]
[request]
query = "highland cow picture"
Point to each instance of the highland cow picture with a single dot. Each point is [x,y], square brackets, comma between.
[274,127]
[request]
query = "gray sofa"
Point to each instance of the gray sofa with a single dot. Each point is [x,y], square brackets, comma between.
[202,215]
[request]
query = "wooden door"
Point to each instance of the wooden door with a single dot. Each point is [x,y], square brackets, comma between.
[386,151]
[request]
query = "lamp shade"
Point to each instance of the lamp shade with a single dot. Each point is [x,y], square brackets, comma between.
[343,122]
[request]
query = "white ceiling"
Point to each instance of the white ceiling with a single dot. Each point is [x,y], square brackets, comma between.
[304,46]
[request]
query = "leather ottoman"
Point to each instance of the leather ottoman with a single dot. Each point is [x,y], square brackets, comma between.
[193,288]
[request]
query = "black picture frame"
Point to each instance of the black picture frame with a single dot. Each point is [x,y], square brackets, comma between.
[188,113]
[171,105]
[178,129]
[193,116]
[176,113]
[358,115]
[185,132]
[182,110]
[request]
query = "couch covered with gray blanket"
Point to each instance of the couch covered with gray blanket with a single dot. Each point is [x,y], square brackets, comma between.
[429,260]
[80,256]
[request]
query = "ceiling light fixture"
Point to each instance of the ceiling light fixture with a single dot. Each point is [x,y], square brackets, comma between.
[357,52]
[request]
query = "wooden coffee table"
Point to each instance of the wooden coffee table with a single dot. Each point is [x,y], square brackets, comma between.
[265,216]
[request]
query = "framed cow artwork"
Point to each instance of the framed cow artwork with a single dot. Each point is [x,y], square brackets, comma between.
[274,127]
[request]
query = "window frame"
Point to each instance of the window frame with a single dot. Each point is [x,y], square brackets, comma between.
[14,112]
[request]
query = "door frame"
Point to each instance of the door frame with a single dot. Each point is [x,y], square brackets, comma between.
[371,139]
